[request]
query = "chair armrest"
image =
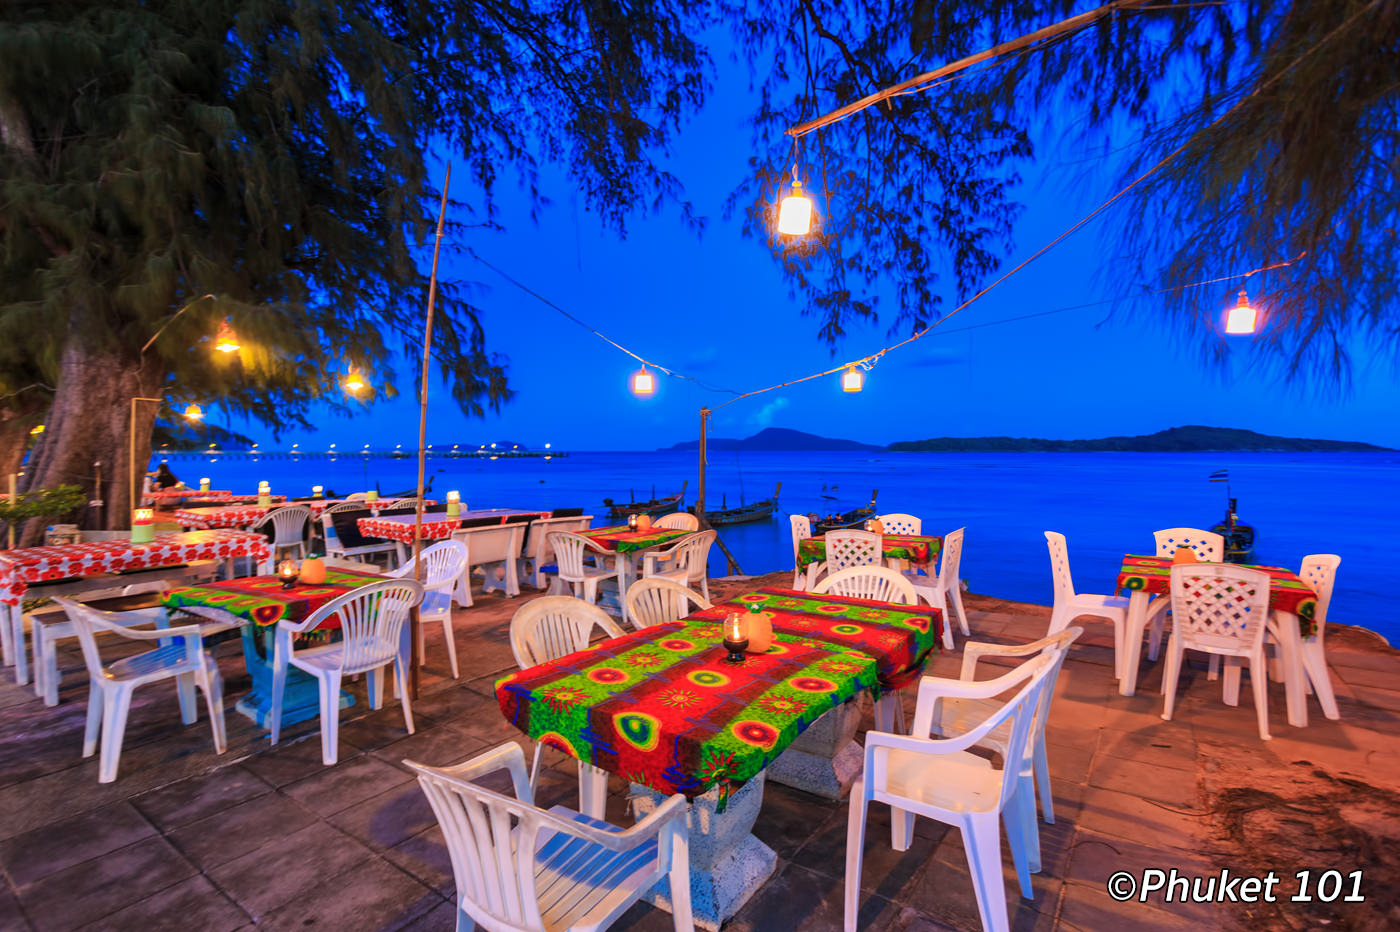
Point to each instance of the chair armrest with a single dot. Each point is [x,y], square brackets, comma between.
[931,746]
[673,810]
[507,756]
[934,688]
[975,650]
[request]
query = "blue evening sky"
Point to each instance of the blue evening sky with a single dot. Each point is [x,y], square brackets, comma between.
[716,307]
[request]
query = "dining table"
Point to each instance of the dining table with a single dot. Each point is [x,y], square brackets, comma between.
[916,550]
[256,604]
[664,709]
[628,545]
[98,564]
[1292,603]
[238,515]
[436,525]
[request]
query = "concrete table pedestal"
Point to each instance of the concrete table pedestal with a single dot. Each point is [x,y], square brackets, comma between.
[727,862]
[825,759]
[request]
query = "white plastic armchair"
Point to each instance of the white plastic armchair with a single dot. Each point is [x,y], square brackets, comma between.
[443,565]
[1071,605]
[180,655]
[539,554]
[803,577]
[869,582]
[846,548]
[569,552]
[1319,570]
[939,778]
[519,868]
[900,523]
[656,601]
[1208,546]
[687,561]
[288,523]
[372,620]
[678,521]
[944,591]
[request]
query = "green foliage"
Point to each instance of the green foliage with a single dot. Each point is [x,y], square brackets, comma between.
[43,503]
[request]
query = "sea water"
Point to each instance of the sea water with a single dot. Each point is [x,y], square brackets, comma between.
[1106,504]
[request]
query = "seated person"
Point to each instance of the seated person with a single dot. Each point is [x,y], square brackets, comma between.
[164,478]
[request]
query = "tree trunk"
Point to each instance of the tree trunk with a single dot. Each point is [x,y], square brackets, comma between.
[88,431]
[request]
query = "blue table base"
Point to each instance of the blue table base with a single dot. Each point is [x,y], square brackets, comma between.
[302,697]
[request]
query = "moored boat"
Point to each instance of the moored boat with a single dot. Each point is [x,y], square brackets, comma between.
[855,518]
[752,513]
[655,506]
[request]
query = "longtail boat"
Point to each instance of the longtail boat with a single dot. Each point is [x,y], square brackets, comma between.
[751,513]
[654,506]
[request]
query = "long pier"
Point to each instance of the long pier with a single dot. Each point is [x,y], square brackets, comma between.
[257,455]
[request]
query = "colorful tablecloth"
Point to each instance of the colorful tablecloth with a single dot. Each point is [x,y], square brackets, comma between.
[910,547]
[20,568]
[393,527]
[622,539]
[1287,593]
[661,707]
[235,515]
[261,600]
[167,495]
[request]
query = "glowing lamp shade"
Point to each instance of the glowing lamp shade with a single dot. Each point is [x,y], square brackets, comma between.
[852,380]
[37,429]
[795,213]
[1242,318]
[194,412]
[643,383]
[354,383]
[144,515]
[227,340]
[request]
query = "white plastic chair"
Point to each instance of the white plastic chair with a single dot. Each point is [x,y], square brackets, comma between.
[1071,605]
[944,591]
[1220,609]
[900,523]
[939,778]
[1209,547]
[537,563]
[406,503]
[372,619]
[656,601]
[569,551]
[801,530]
[869,582]
[288,528]
[551,627]
[519,868]
[443,564]
[1319,570]
[846,548]
[678,521]
[687,561]
[357,497]
[180,656]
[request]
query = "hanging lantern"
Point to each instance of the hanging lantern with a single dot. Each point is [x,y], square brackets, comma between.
[354,383]
[194,412]
[643,383]
[852,380]
[36,430]
[227,340]
[795,213]
[1242,318]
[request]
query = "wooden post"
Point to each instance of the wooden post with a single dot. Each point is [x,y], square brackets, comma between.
[131,448]
[14,478]
[415,620]
[700,493]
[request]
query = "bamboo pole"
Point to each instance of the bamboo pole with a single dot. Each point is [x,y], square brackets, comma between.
[415,621]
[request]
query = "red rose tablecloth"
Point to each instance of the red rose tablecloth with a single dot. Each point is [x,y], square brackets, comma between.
[170,495]
[661,707]
[622,539]
[910,547]
[1287,593]
[261,600]
[20,568]
[235,515]
[436,526]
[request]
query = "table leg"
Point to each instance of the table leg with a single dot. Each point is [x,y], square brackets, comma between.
[728,864]
[623,565]
[825,759]
[1131,653]
[21,659]
[592,790]
[7,635]
[303,692]
[1290,642]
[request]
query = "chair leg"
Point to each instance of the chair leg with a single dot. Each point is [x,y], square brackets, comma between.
[94,719]
[535,767]
[1022,832]
[451,644]
[681,915]
[465,923]
[1259,679]
[1042,782]
[374,687]
[1170,675]
[982,841]
[279,688]
[213,686]
[401,675]
[855,851]
[955,597]
[1156,624]
[1316,673]
[184,689]
[116,703]
[7,647]
[1231,690]
[329,683]
[1214,670]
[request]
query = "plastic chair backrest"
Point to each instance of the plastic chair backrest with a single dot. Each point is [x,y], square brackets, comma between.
[443,564]
[678,521]
[1059,566]
[407,503]
[869,582]
[357,497]
[900,523]
[1220,606]
[846,548]
[691,553]
[88,621]
[288,523]
[537,545]
[568,553]
[491,544]
[1319,571]
[1208,546]
[552,626]
[952,558]
[371,619]
[655,601]
[801,530]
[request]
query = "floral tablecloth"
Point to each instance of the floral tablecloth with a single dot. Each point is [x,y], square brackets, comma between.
[235,515]
[20,568]
[622,539]
[262,601]
[435,527]
[912,548]
[1287,593]
[167,495]
[661,707]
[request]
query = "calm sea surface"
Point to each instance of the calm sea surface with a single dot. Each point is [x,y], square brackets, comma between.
[1105,503]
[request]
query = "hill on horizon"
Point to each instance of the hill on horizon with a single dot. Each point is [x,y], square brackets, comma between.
[778,438]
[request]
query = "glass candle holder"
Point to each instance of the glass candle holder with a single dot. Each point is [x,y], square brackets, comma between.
[736,637]
[632,522]
[287,573]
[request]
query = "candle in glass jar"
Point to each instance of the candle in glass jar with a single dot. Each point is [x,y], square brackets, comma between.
[734,627]
[317,491]
[204,485]
[632,522]
[454,503]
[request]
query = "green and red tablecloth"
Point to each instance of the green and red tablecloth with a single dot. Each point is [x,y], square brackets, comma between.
[913,548]
[262,600]
[661,707]
[622,539]
[1287,593]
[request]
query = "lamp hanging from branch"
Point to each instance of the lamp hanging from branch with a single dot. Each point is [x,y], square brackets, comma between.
[795,212]
[354,382]
[1242,318]
[227,340]
[194,412]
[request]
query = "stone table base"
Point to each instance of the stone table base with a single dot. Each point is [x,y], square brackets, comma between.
[825,759]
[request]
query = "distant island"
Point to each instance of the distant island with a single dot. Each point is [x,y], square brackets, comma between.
[1189,439]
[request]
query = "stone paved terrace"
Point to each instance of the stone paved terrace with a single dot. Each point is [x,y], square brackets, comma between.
[265,837]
